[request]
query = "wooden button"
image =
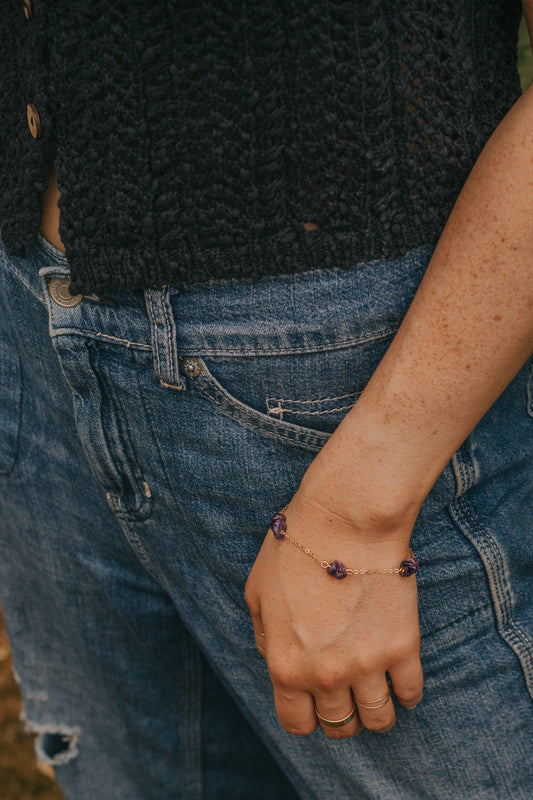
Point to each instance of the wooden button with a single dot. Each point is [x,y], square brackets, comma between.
[34,121]
[28,10]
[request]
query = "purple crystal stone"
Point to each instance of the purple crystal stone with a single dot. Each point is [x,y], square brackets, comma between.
[409,567]
[278,523]
[337,569]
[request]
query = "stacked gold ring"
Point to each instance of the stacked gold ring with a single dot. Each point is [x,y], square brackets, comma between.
[374,704]
[336,723]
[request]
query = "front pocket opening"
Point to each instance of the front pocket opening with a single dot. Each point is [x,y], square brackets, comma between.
[325,405]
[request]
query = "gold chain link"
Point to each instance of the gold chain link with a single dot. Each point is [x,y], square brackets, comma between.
[324,564]
[349,571]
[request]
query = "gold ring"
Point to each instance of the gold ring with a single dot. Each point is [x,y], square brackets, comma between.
[374,704]
[258,633]
[336,723]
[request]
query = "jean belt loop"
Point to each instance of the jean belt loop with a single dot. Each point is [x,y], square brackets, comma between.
[164,340]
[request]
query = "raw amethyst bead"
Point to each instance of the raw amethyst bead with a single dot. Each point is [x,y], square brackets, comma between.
[337,569]
[278,524]
[409,567]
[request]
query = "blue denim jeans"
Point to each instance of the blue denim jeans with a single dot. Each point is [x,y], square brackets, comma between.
[146,438]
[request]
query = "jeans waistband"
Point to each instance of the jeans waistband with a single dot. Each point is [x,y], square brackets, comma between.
[302,312]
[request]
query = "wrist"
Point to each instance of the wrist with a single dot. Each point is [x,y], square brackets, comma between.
[317,534]
[363,483]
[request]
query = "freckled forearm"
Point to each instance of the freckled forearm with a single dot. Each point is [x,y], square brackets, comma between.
[467,333]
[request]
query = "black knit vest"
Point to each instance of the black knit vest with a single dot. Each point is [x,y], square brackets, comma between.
[201,139]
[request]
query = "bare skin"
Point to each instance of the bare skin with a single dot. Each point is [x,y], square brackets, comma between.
[50,218]
[467,333]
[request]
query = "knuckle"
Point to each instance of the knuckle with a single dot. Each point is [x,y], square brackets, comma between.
[328,678]
[284,675]
[365,669]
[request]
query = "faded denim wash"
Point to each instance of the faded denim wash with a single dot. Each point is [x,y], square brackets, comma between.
[145,440]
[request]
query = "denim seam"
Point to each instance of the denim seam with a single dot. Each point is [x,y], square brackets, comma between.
[127,519]
[164,301]
[75,361]
[20,276]
[468,615]
[121,450]
[311,402]
[280,409]
[132,537]
[52,250]
[156,338]
[319,348]
[258,425]
[501,593]
[464,475]
[460,477]
[104,337]
[165,352]
[155,439]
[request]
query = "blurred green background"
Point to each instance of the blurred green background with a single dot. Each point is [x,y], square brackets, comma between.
[525,58]
[20,777]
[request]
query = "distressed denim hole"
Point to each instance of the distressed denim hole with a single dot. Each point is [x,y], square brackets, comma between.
[53,744]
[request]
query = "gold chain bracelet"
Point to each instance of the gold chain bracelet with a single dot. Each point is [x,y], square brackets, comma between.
[336,568]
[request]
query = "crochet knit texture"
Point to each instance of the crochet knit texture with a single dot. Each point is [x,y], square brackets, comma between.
[198,139]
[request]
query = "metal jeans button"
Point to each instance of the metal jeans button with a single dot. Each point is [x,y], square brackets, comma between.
[58,288]
[192,367]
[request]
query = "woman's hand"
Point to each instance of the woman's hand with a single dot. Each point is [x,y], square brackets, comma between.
[327,641]
[467,333]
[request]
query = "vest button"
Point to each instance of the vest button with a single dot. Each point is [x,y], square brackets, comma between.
[34,121]
[28,10]
[58,288]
